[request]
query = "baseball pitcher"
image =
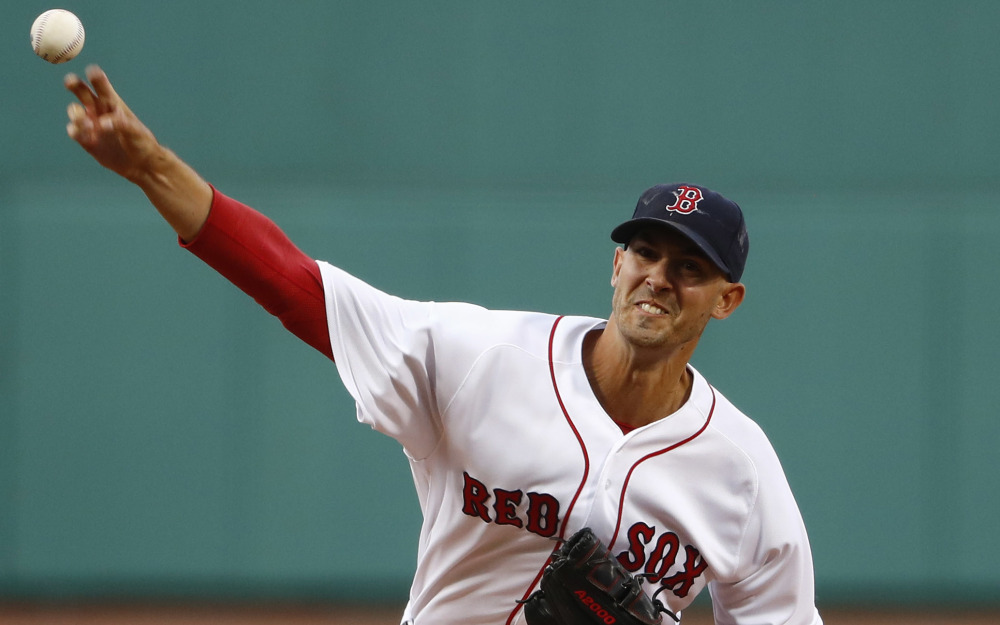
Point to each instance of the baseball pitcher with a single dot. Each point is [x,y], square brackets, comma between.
[569,469]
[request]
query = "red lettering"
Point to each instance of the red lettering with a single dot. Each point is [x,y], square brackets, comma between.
[543,514]
[506,507]
[659,562]
[595,607]
[694,566]
[639,536]
[662,557]
[475,495]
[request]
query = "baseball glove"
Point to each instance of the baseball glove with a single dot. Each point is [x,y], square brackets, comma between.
[585,584]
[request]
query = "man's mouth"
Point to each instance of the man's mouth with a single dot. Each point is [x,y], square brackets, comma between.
[652,309]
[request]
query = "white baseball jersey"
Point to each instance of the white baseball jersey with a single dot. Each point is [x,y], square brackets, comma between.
[510,449]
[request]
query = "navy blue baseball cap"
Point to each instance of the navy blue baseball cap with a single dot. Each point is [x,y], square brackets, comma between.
[714,223]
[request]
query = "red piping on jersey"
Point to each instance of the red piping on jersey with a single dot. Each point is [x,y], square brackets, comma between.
[583,482]
[569,421]
[621,499]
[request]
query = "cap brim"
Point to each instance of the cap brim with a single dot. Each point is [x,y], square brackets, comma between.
[625,231]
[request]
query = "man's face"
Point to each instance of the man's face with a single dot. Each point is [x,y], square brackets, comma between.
[666,290]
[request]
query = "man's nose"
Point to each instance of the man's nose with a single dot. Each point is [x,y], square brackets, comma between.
[657,279]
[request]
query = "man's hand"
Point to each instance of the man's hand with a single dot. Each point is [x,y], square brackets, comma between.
[107,129]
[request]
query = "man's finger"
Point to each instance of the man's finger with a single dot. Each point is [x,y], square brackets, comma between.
[106,95]
[81,91]
[75,112]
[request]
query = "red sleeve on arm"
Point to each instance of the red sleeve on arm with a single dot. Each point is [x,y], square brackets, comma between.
[250,251]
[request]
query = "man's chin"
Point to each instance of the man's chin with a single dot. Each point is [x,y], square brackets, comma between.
[645,337]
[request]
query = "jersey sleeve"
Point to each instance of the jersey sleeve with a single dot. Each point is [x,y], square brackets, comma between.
[776,582]
[388,352]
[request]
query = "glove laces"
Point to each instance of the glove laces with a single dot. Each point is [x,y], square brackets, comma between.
[660,607]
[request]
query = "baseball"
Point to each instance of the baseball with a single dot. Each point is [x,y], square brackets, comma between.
[57,36]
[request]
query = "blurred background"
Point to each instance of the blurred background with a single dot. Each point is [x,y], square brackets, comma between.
[163,439]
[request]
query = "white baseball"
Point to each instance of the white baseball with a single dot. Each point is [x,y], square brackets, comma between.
[57,36]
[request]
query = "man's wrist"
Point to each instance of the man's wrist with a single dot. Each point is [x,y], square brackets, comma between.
[156,171]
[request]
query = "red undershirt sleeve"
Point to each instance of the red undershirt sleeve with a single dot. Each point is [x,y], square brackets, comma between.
[250,251]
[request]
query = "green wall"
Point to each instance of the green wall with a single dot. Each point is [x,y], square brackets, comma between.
[160,436]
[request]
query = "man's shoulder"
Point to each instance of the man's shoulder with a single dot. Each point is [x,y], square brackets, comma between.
[742,431]
[463,326]
[528,330]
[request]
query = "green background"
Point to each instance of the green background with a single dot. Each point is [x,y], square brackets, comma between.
[161,436]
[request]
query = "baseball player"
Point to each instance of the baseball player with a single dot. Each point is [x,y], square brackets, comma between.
[522,428]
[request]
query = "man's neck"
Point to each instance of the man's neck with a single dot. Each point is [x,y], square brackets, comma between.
[636,386]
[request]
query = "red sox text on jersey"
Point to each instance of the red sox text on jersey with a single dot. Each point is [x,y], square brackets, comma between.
[649,552]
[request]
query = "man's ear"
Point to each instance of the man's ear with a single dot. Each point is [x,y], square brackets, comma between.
[729,300]
[616,264]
